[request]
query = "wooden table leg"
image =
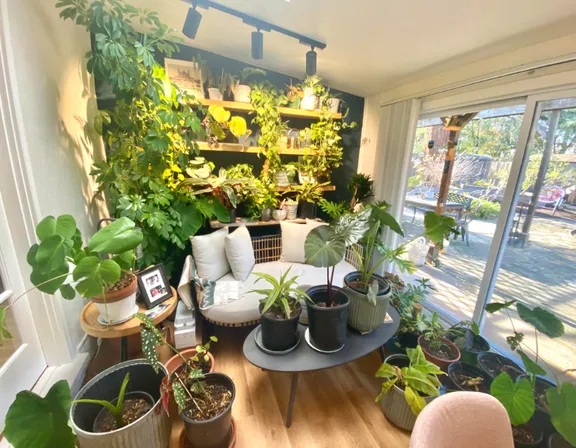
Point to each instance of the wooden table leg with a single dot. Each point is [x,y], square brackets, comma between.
[292,399]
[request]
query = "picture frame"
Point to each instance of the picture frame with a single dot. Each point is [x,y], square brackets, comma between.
[154,286]
[187,75]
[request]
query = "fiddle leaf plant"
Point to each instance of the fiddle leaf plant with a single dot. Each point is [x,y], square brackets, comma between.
[418,380]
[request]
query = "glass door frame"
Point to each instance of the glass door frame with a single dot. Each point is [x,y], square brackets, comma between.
[511,195]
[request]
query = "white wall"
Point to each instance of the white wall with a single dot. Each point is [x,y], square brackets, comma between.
[55,100]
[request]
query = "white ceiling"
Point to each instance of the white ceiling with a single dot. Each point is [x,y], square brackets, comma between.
[374,45]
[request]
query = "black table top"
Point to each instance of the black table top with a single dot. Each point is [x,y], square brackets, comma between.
[305,359]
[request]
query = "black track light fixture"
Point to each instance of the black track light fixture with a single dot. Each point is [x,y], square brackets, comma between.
[257,44]
[192,23]
[311,62]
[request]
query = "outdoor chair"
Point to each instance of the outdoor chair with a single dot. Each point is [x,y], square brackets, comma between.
[463,223]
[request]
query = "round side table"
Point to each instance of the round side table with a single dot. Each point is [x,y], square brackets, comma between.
[90,325]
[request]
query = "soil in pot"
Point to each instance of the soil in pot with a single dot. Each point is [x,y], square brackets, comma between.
[327,324]
[469,378]
[279,333]
[136,404]
[524,435]
[214,400]
[494,364]
[442,353]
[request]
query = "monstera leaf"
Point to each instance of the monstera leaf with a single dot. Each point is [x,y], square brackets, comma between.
[322,248]
[33,421]
[516,397]
[116,238]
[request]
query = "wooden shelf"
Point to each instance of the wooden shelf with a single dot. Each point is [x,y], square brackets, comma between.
[284,111]
[326,188]
[215,224]
[235,147]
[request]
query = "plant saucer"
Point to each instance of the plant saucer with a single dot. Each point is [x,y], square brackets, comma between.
[106,323]
[260,344]
[309,341]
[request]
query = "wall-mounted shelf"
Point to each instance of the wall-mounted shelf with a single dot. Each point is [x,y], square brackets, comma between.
[284,111]
[325,188]
[235,147]
[244,222]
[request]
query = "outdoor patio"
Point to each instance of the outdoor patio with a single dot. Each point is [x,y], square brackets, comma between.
[540,274]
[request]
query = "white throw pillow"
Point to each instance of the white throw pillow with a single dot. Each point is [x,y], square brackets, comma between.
[240,254]
[293,239]
[210,255]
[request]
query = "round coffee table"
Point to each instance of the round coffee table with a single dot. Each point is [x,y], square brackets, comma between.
[90,325]
[306,359]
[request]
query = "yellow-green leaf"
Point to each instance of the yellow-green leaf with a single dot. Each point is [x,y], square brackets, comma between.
[415,401]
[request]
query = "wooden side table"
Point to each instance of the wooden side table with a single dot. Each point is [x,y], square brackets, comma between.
[90,325]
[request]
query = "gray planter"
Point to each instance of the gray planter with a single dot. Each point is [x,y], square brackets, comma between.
[363,315]
[394,404]
[151,431]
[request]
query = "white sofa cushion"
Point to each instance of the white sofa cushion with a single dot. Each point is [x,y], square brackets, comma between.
[245,309]
[210,255]
[240,253]
[293,239]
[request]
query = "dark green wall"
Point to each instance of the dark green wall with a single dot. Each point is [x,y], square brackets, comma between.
[350,138]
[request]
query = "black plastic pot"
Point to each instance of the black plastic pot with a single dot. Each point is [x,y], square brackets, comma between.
[542,385]
[216,431]
[307,209]
[557,441]
[457,368]
[279,334]
[501,363]
[536,424]
[327,325]
[469,344]
[232,213]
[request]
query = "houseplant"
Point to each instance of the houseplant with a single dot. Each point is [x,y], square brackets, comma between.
[468,377]
[198,357]
[361,188]
[522,397]
[325,247]
[248,76]
[204,400]
[280,311]
[436,347]
[307,195]
[291,207]
[310,95]
[410,382]
[294,95]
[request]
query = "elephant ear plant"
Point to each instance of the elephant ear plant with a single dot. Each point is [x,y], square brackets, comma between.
[521,397]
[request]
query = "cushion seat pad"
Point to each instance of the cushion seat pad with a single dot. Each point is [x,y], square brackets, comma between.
[245,309]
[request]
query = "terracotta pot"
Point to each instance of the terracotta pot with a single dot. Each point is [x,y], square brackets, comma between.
[173,363]
[117,306]
[442,363]
[121,294]
[183,442]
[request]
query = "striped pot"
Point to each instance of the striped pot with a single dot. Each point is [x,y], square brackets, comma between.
[363,315]
[394,404]
[151,431]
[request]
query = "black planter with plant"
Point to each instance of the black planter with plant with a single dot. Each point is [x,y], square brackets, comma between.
[327,317]
[469,342]
[280,311]
[469,378]
[307,196]
[307,210]
[493,364]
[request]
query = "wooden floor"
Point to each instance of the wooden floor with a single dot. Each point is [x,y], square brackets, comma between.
[334,408]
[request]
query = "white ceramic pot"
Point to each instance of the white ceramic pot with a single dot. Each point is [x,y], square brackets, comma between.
[118,306]
[279,214]
[291,211]
[334,104]
[242,94]
[281,178]
[215,94]
[310,101]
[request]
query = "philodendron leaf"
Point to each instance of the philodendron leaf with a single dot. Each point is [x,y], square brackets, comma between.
[321,249]
[497,306]
[386,385]
[562,402]
[219,114]
[415,401]
[116,238]
[544,321]
[33,421]
[4,333]
[438,227]
[530,365]
[386,371]
[416,356]
[386,219]
[419,381]
[516,397]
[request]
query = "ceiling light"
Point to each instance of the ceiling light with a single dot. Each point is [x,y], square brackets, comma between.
[257,45]
[311,62]
[192,23]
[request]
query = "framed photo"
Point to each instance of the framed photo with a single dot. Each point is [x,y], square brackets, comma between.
[154,286]
[186,75]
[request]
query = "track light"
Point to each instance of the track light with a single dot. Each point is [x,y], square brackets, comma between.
[192,23]
[257,45]
[311,62]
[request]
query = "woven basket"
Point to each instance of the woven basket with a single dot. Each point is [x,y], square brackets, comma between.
[363,315]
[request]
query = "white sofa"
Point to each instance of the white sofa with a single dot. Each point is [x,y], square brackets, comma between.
[244,309]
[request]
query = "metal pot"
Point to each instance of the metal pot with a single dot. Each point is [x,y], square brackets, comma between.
[279,214]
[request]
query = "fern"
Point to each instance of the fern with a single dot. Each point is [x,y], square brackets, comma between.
[333,209]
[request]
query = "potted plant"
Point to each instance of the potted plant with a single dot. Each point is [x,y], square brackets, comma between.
[280,311]
[214,88]
[294,95]
[523,399]
[466,337]
[307,195]
[120,407]
[281,177]
[410,383]
[436,347]
[325,247]
[468,377]
[101,271]
[493,364]
[291,171]
[309,87]
[279,214]
[248,76]
[198,358]
[204,400]
[361,188]
[291,207]
[333,102]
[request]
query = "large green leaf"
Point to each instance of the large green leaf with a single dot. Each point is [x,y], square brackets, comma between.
[322,249]
[4,333]
[31,255]
[125,260]
[65,226]
[46,228]
[419,381]
[386,371]
[190,218]
[386,385]
[438,227]
[116,238]
[94,274]
[562,402]
[544,321]
[497,306]
[530,365]
[67,292]
[52,253]
[516,397]
[33,421]
[386,219]
[352,227]
[415,401]
[49,282]
[416,355]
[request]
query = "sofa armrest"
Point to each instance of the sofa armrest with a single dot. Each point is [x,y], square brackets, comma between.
[186,283]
